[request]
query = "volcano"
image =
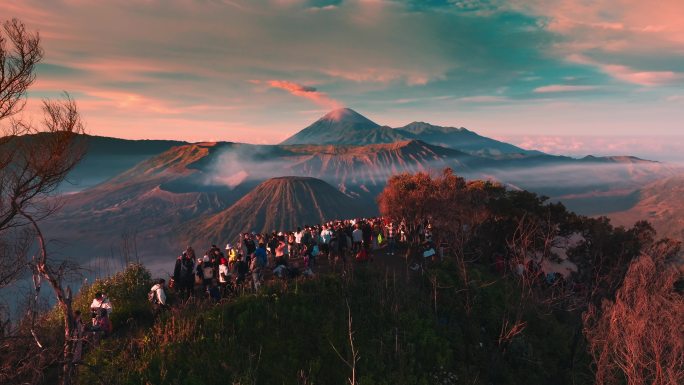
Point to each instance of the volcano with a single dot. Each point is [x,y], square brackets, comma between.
[347,127]
[279,204]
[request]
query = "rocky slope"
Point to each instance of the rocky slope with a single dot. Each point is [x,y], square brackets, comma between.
[277,204]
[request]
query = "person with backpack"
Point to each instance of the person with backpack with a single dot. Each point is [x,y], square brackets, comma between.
[102,326]
[183,274]
[157,296]
[248,247]
[206,272]
[100,302]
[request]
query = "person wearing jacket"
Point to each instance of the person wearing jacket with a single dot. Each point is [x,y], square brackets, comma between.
[159,293]
[183,274]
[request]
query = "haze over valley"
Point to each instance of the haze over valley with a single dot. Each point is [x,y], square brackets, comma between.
[193,192]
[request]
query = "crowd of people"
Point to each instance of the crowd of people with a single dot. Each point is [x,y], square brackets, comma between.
[254,257]
[217,273]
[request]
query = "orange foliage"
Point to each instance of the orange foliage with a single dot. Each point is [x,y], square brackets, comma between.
[447,199]
[638,338]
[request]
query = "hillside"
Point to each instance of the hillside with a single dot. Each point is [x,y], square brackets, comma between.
[661,204]
[135,202]
[109,157]
[361,169]
[281,203]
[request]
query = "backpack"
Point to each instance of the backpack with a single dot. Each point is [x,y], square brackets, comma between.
[185,269]
[207,272]
[152,296]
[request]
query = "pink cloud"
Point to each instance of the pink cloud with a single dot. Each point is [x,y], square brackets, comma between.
[630,75]
[311,93]
[599,21]
[644,78]
[562,88]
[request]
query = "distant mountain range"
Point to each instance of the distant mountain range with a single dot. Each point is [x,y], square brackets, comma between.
[172,193]
[347,127]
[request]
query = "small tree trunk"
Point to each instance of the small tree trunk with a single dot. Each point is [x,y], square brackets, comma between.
[63,301]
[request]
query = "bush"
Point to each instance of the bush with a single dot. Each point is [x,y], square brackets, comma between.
[127,292]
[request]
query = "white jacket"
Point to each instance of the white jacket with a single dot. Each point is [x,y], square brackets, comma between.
[223,273]
[160,293]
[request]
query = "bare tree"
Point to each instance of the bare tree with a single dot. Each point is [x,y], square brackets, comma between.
[637,337]
[33,163]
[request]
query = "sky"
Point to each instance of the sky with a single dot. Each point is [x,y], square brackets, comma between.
[567,77]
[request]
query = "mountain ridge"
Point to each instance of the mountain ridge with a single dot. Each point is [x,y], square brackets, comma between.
[348,127]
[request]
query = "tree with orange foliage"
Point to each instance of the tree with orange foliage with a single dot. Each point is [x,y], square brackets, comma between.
[637,338]
[453,206]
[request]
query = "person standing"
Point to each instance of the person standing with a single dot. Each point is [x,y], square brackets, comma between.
[183,274]
[357,238]
[258,262]
[224,276]
[391,241]
[100,302]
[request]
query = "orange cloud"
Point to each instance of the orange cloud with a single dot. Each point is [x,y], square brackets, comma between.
[311,93]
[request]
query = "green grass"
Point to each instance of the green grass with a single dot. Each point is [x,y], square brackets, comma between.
[288,335]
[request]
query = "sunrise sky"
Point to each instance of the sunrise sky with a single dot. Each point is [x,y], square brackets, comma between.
[573,77]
